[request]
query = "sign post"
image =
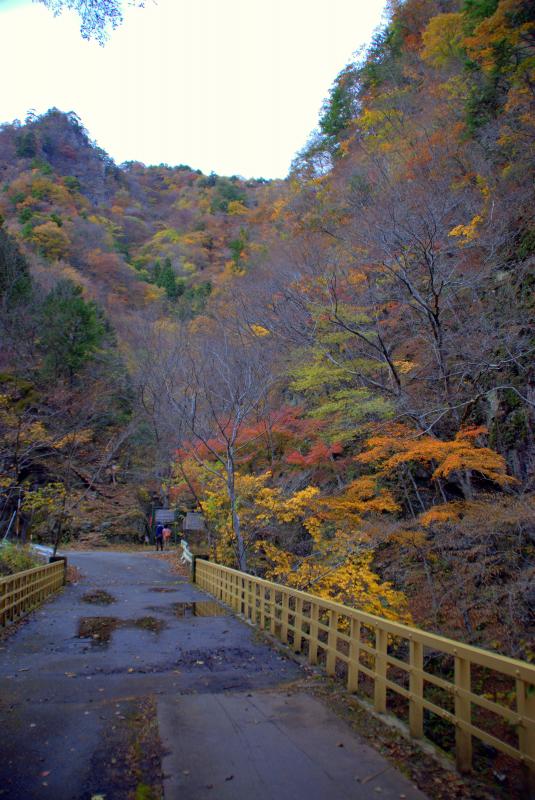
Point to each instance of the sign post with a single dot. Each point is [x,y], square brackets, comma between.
[164,515]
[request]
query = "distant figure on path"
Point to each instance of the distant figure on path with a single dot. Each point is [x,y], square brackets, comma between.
[159,536]
[166,535]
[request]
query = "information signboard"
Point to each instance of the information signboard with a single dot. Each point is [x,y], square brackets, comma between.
[164,515]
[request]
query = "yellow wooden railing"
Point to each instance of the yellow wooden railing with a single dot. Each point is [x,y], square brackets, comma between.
[21,592]
[483,695]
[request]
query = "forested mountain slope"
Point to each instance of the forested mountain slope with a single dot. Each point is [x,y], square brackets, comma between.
[138,238]
[338,367]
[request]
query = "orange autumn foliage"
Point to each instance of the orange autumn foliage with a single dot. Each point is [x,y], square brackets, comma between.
[400,447]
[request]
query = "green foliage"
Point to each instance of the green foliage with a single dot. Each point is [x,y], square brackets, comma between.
[526,247]
[26,146]
[193,299]
[317,375]
[483,103]
[353,406]
[17,197]
[165,277]
[15,558]
[238,247]
[27,229]
[25,215]
[72,183]
[43,166]
[477,10]
[15,281]
[340,107]
[72,330]
[226,192]
[382,54]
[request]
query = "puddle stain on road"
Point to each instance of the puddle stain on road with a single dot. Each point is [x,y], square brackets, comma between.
[196,608]
[199,608]
[100,629]
[98,598]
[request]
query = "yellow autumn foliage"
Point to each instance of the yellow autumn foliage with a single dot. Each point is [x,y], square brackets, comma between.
[443,39]
[259,330]
[236,208]
[350,581]
[75,439]
[467,232]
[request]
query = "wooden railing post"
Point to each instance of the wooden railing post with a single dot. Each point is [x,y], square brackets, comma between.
[284,616]
[262,601]
[354,656]
[262,606]
[313,641]
[254,608]
[416,688]
[298,620]
[230,581]
[332,640]
[463,713]
[251,601]
[525,705]
[272,611]
[379,693]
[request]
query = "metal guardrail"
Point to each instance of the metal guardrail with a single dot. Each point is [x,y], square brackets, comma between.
[23,591]
[393,657]
[6,534]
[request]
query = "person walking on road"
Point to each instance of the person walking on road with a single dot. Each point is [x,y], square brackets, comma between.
[159,536]
[166,536]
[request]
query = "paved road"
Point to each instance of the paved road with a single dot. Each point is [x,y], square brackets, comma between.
[167,690]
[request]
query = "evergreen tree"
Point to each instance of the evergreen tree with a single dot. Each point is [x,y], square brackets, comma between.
[166,278]
[72,330]
[15,281]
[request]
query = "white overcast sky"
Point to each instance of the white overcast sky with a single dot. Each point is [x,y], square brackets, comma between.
[233,86]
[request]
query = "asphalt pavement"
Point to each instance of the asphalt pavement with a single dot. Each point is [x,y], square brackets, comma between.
[132,683]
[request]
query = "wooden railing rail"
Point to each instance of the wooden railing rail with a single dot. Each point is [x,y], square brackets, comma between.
[486,697]
[23,591]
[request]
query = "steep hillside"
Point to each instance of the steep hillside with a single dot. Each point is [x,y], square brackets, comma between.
[337,369]
[154,239]
[390,460]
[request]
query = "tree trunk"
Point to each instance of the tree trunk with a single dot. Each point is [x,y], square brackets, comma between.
[240,547]
[466,484]
[57,537]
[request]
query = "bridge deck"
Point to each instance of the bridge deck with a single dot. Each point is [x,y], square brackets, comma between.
[166,681]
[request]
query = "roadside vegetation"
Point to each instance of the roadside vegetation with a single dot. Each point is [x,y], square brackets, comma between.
[14,558]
